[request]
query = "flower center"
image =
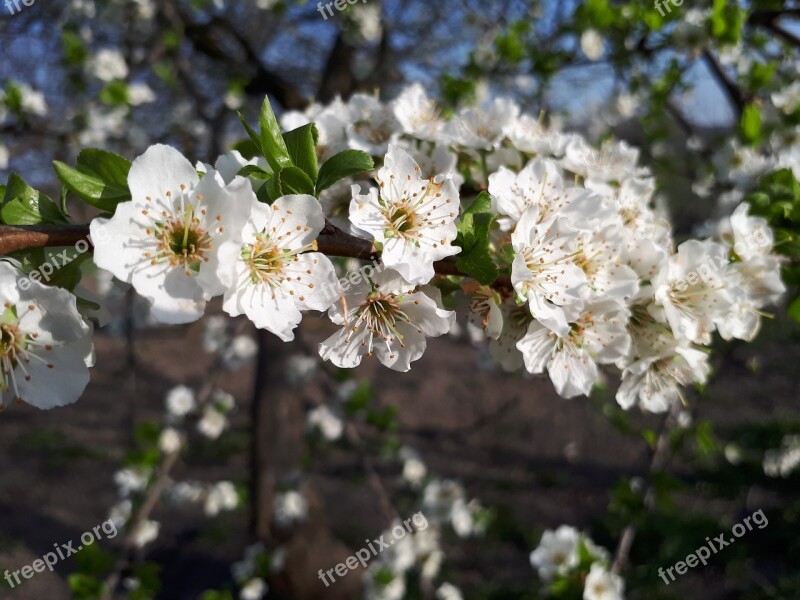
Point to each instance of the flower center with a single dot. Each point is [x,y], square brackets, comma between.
[181,231]
[183,242]
[380,315]
[266,261]
[17,349]
[402,220]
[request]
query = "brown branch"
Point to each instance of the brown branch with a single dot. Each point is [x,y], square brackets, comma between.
[332,241]
[210,38]
[155,491]
[769,19]
[735,94]
[660,458]
[40,236]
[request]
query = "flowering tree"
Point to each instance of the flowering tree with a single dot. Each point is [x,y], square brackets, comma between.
[395,217]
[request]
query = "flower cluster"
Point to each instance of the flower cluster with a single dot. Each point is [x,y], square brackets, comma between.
[567,264]
[597,278]
[573,559]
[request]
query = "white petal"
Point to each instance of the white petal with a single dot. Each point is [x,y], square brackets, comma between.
[159,170]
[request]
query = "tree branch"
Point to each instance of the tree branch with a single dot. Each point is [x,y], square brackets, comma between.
[209,39]
[331,241]
[734,93]
[659,459]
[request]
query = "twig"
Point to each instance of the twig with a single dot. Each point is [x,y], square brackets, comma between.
[354,438]
[155,491]
[331,241]
[657,462]
[735,94]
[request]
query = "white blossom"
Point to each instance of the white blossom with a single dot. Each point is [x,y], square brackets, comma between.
[169,441]
[545,272]
[690,287]
[557,552]
[46,348]
[166,240]
[220,497]
[592,44]
[386,316]
[212,424]
[410,217]
[140,93]
[372,126]
[483,128]
[447,591]
[239,352]
[323,419]
[180,401]
[255,589]
[290,507]
[131,480]
[108,64]
[271,269]
[417,113]
[597,336]
[144,533]
[603,585]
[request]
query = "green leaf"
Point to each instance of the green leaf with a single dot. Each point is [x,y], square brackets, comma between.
[92,189]
[13,98]
[84,587]
[73,49]
[301,143]
[750,126]
[100,179]
[252,133]
[23,205]
[272,144]
[345,164]
[68,275]
[95,561]
[248,148]
[794,310]
[727,21]
[105,165]
[289,180]
[114,93]
[475,259]
[254,171]
[511,46]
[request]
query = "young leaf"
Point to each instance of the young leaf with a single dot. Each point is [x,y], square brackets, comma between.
[91,189]
[751,124]
[272,143]
[254,171]
[345,164]
[473,238]
[100,178]
[290,180]
[105,165]
[23,205]
[301,143]
[248,148]
[794,310]
[254,137]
